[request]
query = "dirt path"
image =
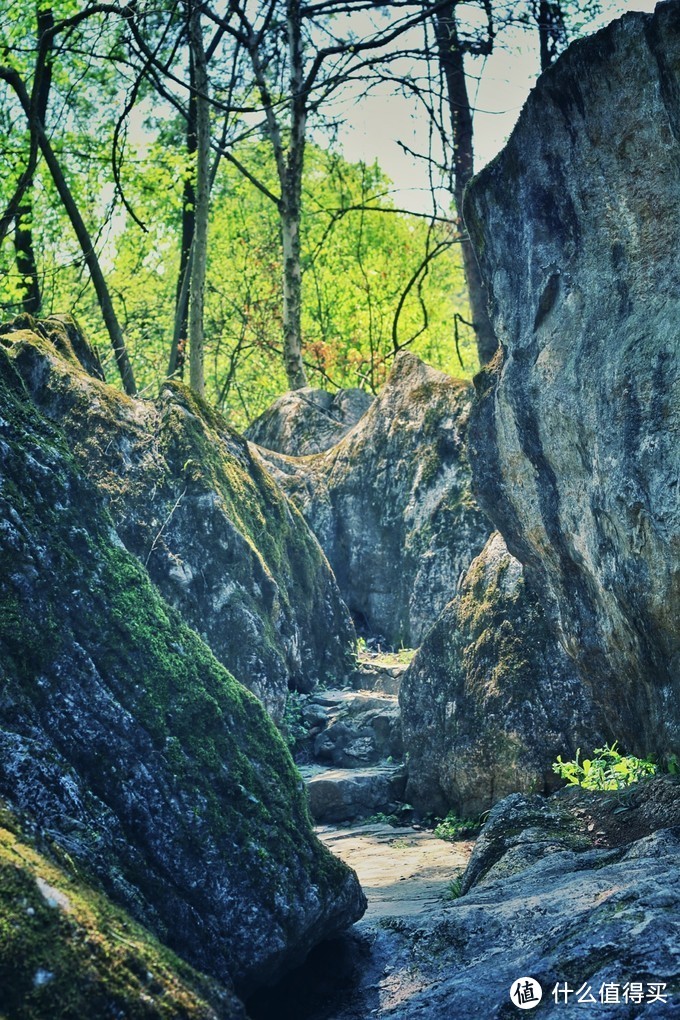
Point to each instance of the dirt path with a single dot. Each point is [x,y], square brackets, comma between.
[404,872]
[370,970]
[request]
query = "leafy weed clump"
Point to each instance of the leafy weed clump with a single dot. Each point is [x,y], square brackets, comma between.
[453,828]
[608,769]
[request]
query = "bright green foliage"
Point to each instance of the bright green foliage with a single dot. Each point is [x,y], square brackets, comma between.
[608,769]
[453,828]
[356,265]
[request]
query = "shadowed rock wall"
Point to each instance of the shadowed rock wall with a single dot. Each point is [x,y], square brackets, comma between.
[390,503]
[490,698]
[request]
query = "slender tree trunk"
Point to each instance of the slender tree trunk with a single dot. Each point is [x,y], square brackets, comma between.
[92,263]
[292,297]
[452,64]
[291,207]
[181,324]
[25,256]
[27,266]
[199,253]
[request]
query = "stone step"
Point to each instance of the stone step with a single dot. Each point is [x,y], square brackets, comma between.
[342,795]
[353,729]
[376,676]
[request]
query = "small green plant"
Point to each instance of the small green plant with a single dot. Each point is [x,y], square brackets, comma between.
[454,888]
[453,828]
[293,727]
[608,769]
[380,818]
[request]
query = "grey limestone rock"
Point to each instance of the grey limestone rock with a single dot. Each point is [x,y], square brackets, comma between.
[359,728]
[576,440]
[562,890]
[343,795]
[490,698]
[308,421]
[390,503]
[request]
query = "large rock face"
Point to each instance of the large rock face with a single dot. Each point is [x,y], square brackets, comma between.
[575,448]
[308,421]
[490,698]
[121,734]
[390,503]
[215,533]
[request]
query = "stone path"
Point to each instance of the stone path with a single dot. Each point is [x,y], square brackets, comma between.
[404,872]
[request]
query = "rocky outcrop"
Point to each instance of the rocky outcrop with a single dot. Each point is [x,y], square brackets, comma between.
[581,897]
[66,950]
[308,421]
[216,535]
[391,505]
[342,795]
[490,698]
[575,445]
[350,729]
[521,830]
[121,735]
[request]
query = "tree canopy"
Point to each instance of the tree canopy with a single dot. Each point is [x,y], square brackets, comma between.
[160,181]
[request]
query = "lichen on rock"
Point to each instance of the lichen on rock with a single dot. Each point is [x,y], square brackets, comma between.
[217,536]
[490,698]
[66,950]
[308,420]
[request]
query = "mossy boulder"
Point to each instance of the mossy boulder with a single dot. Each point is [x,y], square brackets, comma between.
[67,951]
[215,533]
[121,734]
[390,503]
[308,420]
[490,698]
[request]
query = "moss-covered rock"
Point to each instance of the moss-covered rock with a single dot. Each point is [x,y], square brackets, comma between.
[490,698]
[391,505]
[120,733]
[67,951]
[217,536]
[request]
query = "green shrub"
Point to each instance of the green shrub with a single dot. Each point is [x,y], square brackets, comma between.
[453,828]
[608,769]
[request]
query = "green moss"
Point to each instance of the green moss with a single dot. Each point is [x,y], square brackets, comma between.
[66,952]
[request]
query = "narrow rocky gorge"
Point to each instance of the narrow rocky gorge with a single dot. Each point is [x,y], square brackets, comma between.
[211,806]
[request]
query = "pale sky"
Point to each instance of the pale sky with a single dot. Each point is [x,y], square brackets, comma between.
[506,79]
